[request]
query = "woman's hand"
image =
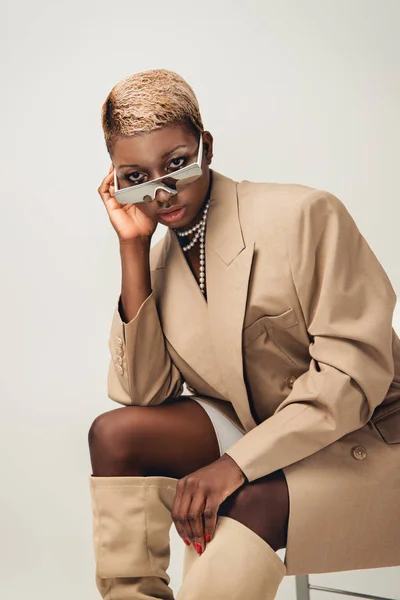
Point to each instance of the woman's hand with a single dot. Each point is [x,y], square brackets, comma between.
[128,221]
[199,495]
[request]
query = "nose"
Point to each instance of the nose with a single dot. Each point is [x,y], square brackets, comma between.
[163,196]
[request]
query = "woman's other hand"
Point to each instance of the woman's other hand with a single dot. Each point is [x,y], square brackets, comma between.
[128,221]
[198,496]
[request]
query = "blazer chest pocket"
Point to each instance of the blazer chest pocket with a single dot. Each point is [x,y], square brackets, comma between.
[266,322]
[387,422]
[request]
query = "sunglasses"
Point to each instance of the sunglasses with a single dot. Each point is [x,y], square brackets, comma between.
[146,192]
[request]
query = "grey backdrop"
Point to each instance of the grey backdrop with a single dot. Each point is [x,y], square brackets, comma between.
[303,92]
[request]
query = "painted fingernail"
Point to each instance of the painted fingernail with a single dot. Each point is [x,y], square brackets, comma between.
[207,537]
[187,542]
[198,547]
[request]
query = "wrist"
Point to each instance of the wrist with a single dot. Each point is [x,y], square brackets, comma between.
[139,245]
[229,460]
[136,240]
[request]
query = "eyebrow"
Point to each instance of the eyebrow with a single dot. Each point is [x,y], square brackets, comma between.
[162,156]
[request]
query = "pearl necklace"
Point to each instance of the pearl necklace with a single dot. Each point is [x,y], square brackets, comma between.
[200,234]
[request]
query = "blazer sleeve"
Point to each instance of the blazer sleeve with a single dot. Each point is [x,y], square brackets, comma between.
[141,371]
[347,302]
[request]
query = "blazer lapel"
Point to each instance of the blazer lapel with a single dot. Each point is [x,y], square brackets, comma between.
[208,334]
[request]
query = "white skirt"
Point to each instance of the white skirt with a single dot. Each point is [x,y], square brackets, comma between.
[227,433]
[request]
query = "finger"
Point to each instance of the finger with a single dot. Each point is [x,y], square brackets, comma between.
[106,191]
[185,521]
[210,515]
[106,183]
[195,518]
[179,516]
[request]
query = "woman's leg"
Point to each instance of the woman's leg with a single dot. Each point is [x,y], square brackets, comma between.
[174,439]
[129,445]
[263,506]
[138,455]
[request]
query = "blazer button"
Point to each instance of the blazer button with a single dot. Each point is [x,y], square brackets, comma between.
[120,369]
[359,452]
[119,351]
[118,360]
[119,341]
[290,380]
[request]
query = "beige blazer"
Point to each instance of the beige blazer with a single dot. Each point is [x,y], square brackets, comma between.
[294,344]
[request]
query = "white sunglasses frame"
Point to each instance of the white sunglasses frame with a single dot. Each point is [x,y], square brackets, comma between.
[146,192]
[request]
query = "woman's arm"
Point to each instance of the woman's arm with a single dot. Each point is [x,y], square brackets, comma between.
[347,302]
[141,371]
[135,271]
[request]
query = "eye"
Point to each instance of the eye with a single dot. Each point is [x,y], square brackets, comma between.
[135,177]
[173,163]
[134,180]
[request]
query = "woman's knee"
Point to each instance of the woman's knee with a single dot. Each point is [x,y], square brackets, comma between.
[174,438]
[116,433]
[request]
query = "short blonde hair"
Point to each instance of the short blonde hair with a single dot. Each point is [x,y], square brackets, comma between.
[146,101]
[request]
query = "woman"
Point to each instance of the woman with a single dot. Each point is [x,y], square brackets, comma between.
[268,302]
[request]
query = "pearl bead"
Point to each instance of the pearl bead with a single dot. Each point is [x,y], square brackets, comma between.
[199,228]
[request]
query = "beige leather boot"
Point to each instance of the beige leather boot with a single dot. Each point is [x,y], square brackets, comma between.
[131,524]
[189,558]
[237,563]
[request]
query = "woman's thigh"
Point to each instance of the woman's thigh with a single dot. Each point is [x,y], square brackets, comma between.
[171,439]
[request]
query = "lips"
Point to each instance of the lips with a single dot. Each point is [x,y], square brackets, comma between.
[173,216]
[166,211]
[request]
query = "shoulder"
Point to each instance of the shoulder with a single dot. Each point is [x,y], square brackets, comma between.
[269,203]
[276,204]
[272,190]
[276,196]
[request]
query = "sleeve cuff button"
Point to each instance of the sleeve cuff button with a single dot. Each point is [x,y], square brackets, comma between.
[290,380]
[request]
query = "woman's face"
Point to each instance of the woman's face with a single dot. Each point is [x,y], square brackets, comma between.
[141,158]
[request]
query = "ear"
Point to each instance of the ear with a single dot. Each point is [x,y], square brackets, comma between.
[208,145]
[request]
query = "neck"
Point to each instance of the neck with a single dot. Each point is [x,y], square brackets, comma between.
[183,239]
